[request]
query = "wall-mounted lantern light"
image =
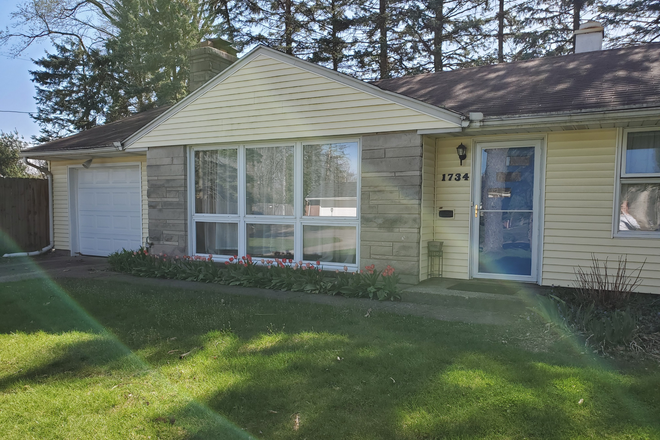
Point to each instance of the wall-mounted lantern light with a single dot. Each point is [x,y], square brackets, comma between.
[87,163]
[462,152]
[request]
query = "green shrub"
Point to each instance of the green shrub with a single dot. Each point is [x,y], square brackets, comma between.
[604,288]
[274,274]
[600,327]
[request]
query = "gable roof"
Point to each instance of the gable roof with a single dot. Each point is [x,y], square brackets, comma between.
[100,136]
[608,80]
[231,107]
[613,79]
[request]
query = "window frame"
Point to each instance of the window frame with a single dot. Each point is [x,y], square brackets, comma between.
[299,220]
[623,178]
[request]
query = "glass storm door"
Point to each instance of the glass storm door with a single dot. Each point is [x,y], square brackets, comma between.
[505,211]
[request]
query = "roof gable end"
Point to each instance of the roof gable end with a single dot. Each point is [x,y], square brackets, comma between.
[269,95]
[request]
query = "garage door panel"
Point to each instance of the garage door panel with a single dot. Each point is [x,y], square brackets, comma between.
[109,210]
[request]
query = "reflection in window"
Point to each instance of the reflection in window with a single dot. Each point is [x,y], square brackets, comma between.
[330,180]
[269,181]
[643,152]
[640,207]
[505,243]
[331,244]
[216,238]
[216,187]
[270,241]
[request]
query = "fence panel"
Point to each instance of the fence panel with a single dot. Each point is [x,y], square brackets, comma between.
[24,213]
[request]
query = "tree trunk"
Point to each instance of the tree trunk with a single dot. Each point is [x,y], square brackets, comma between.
[577,8]
[438,36]
[288,27]
[333,36]
[500,33]
[382,26]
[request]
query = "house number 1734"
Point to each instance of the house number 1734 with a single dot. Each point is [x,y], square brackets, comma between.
[456,177]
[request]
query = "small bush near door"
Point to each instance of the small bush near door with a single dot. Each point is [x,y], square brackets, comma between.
[604,309]
[278,274]
[606,288]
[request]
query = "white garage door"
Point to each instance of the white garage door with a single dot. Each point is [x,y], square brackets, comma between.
[109,210]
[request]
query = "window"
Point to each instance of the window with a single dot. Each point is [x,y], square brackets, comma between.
[296,200]
[639,184]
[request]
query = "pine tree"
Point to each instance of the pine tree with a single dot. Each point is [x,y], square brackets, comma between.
[331,32]
[148,57]
[71,90]
[550,25]
[632,21]
[280,24]
[379,48]
[445,34]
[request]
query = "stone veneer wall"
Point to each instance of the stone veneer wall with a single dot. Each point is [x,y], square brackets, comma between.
[391,203]
[167,194]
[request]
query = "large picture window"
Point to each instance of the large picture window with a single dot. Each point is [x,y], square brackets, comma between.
[639,184]
[297,201]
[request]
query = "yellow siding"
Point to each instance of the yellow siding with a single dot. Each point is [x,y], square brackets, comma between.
[453,195]
[61,196]
[269,99]
[428,204]
[579,199]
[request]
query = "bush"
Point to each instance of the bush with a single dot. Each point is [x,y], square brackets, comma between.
[606,290]
[278,274]
[600,327]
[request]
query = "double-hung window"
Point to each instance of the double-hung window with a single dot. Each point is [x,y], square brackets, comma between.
[639,184]
[295,200]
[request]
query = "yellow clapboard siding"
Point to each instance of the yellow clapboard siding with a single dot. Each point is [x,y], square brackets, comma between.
[428,203]
[454,233]
[268,98]
[61,224]
[578,221]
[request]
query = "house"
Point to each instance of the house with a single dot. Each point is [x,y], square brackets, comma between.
[277,157]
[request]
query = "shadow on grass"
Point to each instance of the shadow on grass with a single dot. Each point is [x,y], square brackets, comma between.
[283,370]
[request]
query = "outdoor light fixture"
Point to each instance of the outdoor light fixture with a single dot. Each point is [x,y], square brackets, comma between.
[462,152]
[87,163]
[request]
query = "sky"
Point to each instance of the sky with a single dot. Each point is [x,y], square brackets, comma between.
[16,90]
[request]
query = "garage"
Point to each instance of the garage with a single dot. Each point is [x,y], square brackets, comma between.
[108,205]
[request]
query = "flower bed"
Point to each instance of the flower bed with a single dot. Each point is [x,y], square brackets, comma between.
[277,274]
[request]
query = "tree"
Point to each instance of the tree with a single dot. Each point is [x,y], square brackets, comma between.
[550,25]
[331,31]
[444,34]
[11,145]
[634,21]
[149,54]
[86,21]
[143,64]
[379,47]
[71,90]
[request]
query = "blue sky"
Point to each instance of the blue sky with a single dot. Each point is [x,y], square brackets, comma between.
[16,89]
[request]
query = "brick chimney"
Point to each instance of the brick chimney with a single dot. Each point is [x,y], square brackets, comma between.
[209,59]
[589,37]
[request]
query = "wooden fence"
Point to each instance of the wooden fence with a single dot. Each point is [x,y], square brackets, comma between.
[23,215]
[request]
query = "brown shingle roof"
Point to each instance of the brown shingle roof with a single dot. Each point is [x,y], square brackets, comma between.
[608,79]
[102,135]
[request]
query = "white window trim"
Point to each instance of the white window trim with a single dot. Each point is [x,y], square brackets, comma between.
[620,176]
[298,219]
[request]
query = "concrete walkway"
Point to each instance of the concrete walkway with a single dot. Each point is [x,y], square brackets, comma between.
[434,299]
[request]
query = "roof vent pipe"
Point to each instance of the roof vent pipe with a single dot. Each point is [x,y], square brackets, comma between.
[589,37]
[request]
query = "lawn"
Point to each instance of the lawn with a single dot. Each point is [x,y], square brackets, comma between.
[106,359]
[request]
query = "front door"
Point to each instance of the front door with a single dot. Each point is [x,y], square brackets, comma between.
[504,233]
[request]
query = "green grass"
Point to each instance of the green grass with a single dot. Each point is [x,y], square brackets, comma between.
[100,359]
